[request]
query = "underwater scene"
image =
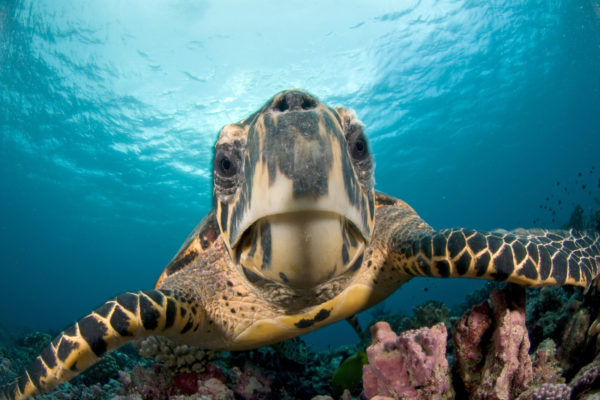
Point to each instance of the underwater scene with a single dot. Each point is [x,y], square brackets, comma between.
[317,156]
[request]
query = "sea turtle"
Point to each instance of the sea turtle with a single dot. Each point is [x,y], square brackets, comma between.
[298,239]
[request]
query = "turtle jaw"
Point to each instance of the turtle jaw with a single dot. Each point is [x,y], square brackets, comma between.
[299,249]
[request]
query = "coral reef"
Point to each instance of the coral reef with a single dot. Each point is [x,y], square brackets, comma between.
[492,352]
[586,383]
[412,365]
[547,392]
[174,356]
[251,383]
[546,368]
[573,338]
[490,356]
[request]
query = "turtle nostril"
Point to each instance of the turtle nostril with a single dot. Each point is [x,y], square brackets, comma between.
[281,105]
[309,103]
[294,101]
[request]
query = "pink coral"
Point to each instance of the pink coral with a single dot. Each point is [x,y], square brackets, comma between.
[252,383]
[186,382]
[469,343]
[546,368]
[214,389]
[507,369]
[547,391]
[411,365]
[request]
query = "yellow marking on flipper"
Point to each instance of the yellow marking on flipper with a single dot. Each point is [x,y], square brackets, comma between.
[268,331]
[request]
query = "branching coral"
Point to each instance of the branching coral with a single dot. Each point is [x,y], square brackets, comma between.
[176,357]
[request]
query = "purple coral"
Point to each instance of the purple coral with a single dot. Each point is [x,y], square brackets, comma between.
[410,365]
[586,378]
[252,383]
[547,392]
[507,369]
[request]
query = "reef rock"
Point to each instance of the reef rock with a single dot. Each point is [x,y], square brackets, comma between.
[507,369]
[412,365]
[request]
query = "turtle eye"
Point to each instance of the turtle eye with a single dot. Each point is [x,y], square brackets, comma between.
[358,147]
[225,165]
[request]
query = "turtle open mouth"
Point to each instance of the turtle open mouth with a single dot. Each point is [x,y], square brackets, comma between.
[300,249]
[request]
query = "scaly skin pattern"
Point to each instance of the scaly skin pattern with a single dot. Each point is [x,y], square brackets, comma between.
[207,298]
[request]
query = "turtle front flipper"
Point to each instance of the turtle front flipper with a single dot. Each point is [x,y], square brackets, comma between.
[127,317]
[528,257]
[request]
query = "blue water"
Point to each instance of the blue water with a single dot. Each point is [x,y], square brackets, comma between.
[108,111]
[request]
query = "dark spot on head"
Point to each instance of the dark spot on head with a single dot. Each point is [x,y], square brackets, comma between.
[283,277]
[356,265]
[265,241]
[224,215]
[251,276]
[233,310]
[181,261]
[345,256]
[371,205]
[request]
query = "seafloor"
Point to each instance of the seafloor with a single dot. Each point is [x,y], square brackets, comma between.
[503,342]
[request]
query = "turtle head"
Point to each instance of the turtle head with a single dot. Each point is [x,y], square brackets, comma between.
[293,191]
